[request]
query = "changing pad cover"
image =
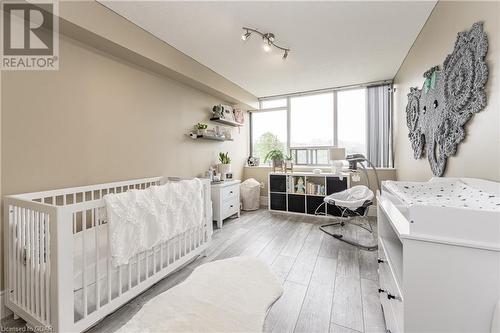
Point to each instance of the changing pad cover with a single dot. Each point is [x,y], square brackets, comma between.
[444,193]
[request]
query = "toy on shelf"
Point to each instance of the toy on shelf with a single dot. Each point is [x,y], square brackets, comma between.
[300,188]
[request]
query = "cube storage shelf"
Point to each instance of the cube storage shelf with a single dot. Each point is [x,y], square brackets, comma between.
[285,196]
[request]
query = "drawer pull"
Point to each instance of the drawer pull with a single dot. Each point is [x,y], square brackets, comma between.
[231,192]
[231,206]
[381,291]
[390,296]
[380,261]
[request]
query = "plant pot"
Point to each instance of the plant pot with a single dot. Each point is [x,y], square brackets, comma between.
[201,132]
[277,163]
[223,169]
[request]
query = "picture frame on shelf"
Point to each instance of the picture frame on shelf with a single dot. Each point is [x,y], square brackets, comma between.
[223,112]
[239,116]
[228,114]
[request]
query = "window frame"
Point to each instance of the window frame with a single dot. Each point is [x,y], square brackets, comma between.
[287,107]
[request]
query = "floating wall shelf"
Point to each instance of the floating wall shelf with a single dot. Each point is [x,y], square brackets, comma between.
[226,122]
[210,138]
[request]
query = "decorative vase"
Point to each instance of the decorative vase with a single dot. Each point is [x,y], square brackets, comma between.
[224,169]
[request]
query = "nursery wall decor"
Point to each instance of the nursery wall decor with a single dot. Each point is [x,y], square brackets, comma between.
[437,113]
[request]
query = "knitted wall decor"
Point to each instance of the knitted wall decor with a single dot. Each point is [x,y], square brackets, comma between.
[437,113]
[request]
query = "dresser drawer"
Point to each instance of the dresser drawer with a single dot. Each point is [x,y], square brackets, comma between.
[230,192]
[230,207]
[393,305]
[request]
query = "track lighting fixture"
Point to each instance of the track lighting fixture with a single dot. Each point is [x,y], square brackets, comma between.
[267,38]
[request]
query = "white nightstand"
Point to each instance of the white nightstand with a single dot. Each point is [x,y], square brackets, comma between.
[225,200]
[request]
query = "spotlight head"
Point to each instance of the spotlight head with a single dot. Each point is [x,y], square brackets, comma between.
[267,46]
[246,35]
[285,55]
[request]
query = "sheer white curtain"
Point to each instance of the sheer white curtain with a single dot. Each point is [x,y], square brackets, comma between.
[379,125]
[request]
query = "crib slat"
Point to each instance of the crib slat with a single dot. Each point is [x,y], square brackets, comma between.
[31,262]
[129,274]
[161,255]
[47,267]
[23,257]
[26,258]
[84,259]
[15,245]
[11,240]
[146,258]
[185,239]
[96,224]
[37,264]
[108,267]
[154,261]
[179,245]
[138,269]
[119,280]
[42,267]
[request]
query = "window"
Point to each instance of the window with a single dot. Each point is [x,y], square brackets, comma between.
[311,121]
[351,118]
[273,103]
[269,131]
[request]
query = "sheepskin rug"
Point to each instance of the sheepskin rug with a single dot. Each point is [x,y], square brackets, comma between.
[230,295]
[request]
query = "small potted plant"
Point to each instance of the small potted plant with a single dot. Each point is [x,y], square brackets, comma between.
[200,129]
[225,164]
[276,156]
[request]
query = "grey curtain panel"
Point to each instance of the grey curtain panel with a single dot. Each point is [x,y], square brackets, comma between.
[379,125]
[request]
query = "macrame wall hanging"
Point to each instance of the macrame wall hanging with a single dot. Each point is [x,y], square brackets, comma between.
[437,113]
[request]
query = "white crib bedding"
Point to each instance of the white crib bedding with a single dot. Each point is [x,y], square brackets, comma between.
[443,193]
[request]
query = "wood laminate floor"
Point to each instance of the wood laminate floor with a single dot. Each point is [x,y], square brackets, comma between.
[329,286]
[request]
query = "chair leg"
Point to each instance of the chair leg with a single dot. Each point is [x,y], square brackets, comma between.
[341,237]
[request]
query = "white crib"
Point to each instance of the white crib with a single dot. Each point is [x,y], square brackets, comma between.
[58,272]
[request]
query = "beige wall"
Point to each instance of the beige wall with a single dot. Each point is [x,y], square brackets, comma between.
[261,174]
[479,154]
[99,119]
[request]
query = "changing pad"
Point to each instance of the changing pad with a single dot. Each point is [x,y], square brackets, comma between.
[444,193]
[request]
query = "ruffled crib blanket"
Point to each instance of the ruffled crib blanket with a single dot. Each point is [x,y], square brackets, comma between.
[444,193]
[141,219]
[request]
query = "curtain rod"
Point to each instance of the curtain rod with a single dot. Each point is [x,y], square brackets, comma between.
[317,91]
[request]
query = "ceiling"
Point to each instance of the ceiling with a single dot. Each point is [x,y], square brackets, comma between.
[332,43]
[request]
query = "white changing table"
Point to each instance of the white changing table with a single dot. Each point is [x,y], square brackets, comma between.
[439,267]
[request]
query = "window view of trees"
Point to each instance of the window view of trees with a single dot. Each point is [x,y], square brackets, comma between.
[268,132]
[265,143]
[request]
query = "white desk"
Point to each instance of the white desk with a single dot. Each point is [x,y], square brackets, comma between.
[225,200]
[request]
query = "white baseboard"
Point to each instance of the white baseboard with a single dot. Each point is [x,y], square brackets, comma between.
[4,311]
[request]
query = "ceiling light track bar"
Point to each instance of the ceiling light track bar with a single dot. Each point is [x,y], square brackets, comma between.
[268,38]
